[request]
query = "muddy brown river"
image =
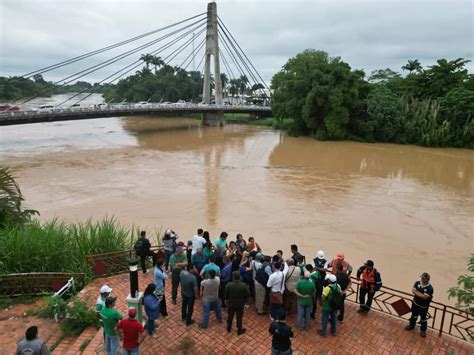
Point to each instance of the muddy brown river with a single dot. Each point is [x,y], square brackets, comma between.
[410,209]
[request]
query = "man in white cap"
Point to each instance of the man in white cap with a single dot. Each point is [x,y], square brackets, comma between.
[319,264]
[329,312]
[100,303]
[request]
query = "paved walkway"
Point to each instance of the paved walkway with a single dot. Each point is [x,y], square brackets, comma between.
[375,333]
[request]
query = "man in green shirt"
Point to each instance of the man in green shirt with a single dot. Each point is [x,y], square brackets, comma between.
[178,262]
[304,289]
[110,319]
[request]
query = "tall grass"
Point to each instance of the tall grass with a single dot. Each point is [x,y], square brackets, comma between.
[56,246]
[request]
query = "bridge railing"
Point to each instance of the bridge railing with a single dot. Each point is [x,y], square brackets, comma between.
[35,283]
[442,318]
[135,107]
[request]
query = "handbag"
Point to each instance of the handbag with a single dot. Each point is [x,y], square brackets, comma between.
[277,297]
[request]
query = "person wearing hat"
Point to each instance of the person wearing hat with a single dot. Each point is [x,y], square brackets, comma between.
[332,266]
[423,292]
[131,332]
[100,303]
[304,289]
[319,264]
[169,245]
[327,313]
[178,262]
[370,283]
[110,318]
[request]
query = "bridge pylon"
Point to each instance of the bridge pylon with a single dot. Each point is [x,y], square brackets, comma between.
[214,118]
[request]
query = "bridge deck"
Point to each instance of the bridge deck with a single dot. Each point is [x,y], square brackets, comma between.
[24,117]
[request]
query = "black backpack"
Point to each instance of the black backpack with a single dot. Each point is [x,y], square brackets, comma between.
[261,276]
[139,246]
[336,300]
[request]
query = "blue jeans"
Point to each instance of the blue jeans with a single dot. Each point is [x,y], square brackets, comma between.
[135,351]
[112,344]
[207,308]
[279,352]
[150,326]
[325,316]
[304,316]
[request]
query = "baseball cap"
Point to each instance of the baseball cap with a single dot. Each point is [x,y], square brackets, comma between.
[320,254]
[109,300]
[340,255]
[331,278]
[307,274]
[105,289]
[132,312]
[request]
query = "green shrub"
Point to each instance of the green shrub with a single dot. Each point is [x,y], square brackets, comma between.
[54,308]
[79,316]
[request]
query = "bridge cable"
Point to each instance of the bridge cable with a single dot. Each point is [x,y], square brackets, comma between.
[104,49]
[252,75]
[256,71]
[116,60]
[193,54]
[132,66]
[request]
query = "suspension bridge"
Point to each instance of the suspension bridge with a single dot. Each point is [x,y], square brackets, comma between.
[171,43]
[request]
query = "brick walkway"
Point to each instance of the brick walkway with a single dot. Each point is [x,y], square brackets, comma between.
[375,333]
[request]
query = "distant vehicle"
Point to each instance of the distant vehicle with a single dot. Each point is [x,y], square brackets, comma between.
[5,108]
[165,103]
[202,104]
[46,107]
[102,104]
[180,102]
[76,105]
[143,103]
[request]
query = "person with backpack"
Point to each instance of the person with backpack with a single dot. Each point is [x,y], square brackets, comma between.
[370,283]
[31,345]
[262,274]
[281,335]
[142,249]
[169,245]
[304,289]
[331,302]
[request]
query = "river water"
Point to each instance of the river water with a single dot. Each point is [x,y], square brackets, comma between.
[410,209]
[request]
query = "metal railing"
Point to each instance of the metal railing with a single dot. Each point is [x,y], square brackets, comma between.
[115,262]
[35,283]
[442,318]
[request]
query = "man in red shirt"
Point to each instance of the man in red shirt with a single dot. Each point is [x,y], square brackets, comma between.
[131,332]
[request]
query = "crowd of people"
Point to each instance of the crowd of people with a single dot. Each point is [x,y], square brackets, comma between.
[227,274]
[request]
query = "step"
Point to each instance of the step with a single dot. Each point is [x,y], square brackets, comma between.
[81,341]
[96,345]
[64,345]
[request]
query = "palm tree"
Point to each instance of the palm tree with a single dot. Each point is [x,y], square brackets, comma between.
[413,65]
[243,81]
[11,200]
[147,59]
[156,61]
[234,86]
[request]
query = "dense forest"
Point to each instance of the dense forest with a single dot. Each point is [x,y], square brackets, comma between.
[431,106]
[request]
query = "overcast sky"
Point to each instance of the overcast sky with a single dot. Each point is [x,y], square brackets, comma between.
[366,34]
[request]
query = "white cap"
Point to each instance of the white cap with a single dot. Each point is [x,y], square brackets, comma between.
[320,254]
[331,278]
[105,289]
[307,274]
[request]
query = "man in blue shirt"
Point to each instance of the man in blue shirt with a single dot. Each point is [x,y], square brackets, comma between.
[210,266]
[423,292]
